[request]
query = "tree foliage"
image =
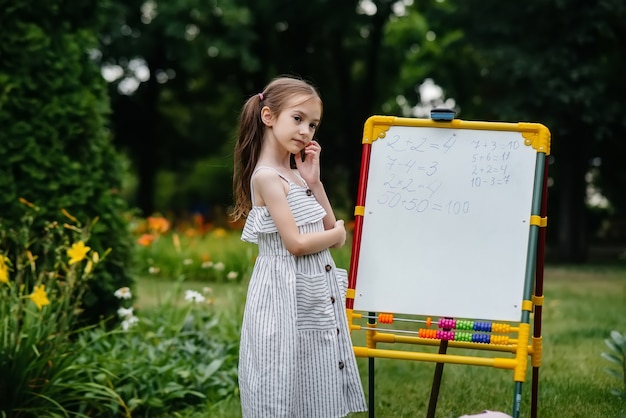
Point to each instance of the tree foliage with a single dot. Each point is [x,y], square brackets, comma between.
[557,63]
[55,150]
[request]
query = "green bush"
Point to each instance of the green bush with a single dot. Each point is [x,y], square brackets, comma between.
[55,149]
[166,359]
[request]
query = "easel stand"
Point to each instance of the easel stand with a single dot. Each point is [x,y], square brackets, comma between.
[423,176]
[434,391]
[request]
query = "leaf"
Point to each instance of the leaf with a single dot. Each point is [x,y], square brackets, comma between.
[213,367]
[618,338]
[613,372]
[612,358]
[613,345]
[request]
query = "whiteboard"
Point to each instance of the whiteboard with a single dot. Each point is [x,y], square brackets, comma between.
[446,223]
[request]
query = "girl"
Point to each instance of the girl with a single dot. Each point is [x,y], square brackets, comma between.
[296,357]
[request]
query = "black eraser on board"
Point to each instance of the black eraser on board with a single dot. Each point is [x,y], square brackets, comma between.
[440,114]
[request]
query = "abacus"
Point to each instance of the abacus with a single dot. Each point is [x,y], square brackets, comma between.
[492,335]
[447,325]
[469,183]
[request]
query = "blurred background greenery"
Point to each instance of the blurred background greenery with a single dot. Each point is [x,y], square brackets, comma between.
[178,72]
[121,115]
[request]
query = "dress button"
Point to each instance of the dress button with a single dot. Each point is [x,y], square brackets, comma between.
[332,299]
[340,365]
[309,192]
[328,267]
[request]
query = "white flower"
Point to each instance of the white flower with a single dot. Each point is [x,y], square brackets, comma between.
[207,290]
[232,275]
[123,293]
[187,261]
[193,296]
[219,266]
[207,264]
[125,312]
[154,270]
[129,322]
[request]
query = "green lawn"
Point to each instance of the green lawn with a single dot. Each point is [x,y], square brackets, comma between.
[582,305]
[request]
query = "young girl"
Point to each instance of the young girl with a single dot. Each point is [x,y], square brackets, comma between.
[296,357]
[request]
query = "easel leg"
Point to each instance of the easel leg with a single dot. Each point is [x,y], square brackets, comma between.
[541,247]
[535,393]
[434,391]
[370,373]
[370,387]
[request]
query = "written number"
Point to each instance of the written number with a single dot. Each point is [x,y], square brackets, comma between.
[457,207]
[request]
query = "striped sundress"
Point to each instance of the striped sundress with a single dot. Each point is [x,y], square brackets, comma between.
[296,357]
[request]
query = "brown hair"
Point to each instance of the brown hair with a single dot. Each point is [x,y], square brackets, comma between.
[275,95]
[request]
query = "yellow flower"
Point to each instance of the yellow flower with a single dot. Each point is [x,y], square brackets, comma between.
[78,252]
[89,266]
[4,271]
[39,296]
[220,232]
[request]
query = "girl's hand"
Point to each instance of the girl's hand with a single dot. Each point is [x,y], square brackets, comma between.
[342,230]
[309,169]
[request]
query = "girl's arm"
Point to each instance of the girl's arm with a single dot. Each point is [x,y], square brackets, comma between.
[309,169]
[270,189]
[320,194]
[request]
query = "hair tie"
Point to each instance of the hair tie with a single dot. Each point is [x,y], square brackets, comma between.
[261,96]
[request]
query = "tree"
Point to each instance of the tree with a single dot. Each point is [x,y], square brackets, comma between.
[179,78]
[550,62]
[55,150]
[220,55]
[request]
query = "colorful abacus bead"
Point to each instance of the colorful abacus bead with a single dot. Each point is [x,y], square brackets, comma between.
[500,339]
[445,335]
[464,324]
[501,328]
[482,326]
[480,338]
[446,323]
[385,318]
[463,336]
[427,333]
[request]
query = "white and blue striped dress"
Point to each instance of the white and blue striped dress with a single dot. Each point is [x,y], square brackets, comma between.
[296,357]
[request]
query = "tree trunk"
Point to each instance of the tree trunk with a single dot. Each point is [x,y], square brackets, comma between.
[572,243]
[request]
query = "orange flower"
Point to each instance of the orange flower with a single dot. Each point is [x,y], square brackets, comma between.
[198,221]
[145,240]
[158,224]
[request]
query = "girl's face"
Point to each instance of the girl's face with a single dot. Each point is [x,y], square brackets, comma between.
[296,124]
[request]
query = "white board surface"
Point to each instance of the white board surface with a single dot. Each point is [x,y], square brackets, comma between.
[446,223]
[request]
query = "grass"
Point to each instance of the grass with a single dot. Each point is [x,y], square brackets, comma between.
[582,305]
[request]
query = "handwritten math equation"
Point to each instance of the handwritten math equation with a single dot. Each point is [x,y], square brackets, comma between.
[421,174]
